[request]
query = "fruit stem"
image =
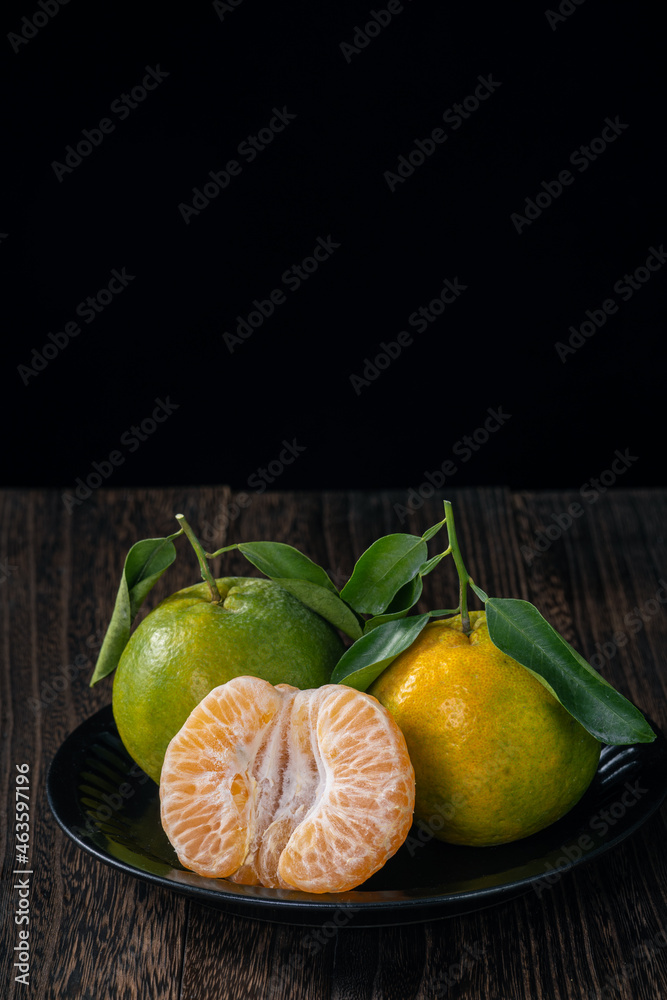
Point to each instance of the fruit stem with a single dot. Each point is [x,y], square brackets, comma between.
[201,556]
[460,568]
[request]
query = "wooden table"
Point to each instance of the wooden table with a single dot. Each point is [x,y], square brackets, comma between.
[600,931]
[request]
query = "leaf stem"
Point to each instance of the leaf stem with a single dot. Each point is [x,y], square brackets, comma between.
[201,556]
[218,552]
[464,578]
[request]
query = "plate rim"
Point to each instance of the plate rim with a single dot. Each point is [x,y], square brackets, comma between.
[422,907]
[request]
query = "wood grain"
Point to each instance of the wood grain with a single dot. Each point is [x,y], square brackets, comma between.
[599,931]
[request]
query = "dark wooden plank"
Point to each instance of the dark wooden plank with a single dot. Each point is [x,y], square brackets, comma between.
[355,964]
[226,956]
[62,593]
[34,625]
[599,582]
[587,578]
[596,932]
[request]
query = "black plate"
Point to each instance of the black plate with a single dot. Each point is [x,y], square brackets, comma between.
[110,808]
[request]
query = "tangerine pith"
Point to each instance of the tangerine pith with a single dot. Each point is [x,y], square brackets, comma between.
[312,790]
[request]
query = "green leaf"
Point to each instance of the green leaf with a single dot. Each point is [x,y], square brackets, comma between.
[405,599]
[326,604]
[518,629]
[367,657]
[144,565]
[380,572]
[279,561]
[430,532]
[303,578]
[431,563]
[480,593]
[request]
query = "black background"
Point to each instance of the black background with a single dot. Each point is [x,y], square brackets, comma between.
[324,176]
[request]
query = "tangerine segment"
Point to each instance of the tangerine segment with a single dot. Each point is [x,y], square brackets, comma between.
[276,786]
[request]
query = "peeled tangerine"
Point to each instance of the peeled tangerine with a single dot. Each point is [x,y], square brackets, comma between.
[310,790]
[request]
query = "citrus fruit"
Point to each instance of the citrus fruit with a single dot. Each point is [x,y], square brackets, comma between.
[189,645]
[311,790]
[496,756]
